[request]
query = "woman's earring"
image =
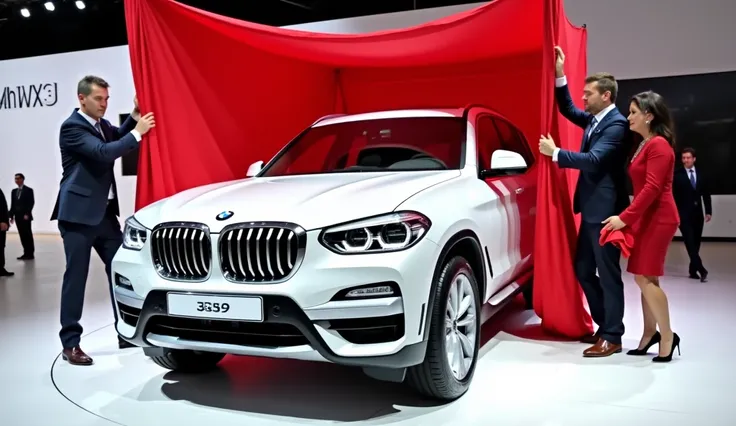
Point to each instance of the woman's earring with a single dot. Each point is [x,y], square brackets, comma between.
[647,121]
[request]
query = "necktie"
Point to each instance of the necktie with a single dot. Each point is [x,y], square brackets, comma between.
[588,132]
[99,129]
[592,126]
[692,178]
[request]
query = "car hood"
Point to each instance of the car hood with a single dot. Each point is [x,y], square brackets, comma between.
[311,201]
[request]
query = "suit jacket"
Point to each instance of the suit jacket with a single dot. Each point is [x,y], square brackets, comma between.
[601,189]
[87,161]
[22,206]
[690,201]
[4,214]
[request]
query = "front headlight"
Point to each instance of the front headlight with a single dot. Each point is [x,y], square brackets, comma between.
[380,234]
[134,234]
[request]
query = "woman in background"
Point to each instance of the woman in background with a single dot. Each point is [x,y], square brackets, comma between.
[652,218]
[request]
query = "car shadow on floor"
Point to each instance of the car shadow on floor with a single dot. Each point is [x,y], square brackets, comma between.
[306,390]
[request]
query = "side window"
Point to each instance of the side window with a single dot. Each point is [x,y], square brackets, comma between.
[488,141]
[512,140]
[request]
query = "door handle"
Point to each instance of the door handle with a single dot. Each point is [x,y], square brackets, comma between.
[519,190]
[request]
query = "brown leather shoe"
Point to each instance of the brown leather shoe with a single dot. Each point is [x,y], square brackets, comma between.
[76,356]
[602,348]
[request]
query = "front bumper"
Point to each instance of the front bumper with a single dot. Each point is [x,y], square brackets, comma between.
[303,317]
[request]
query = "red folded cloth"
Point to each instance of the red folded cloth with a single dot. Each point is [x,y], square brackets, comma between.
[621,238]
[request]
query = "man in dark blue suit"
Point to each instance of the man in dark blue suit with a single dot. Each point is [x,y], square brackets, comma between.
[87,205]
[601,192]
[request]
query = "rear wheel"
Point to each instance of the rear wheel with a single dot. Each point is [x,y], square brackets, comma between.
[185,361]
[454,335]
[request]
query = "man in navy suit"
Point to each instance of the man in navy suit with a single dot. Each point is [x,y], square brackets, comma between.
[87,205]
[601,192]
[691,194]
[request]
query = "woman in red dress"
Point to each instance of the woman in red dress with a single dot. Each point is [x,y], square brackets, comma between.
[652,218]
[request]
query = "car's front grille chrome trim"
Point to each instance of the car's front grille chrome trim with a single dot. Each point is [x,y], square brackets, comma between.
[261,252]
[182,251]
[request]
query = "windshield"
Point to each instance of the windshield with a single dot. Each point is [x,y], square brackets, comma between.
[390,144]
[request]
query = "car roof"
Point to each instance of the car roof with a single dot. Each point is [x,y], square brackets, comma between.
[399,113]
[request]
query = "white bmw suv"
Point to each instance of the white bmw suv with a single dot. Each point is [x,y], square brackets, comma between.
[379,240]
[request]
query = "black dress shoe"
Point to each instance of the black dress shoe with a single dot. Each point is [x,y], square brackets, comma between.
[26,257]
[124,344]
[4,273]
[704,277]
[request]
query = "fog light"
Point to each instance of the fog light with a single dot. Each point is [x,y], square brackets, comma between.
[383,290]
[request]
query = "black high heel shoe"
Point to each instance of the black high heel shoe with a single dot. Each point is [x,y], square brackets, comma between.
[656,338]
[668,358]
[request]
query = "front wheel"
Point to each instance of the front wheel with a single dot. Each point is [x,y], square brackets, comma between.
[185,361]
[454,335]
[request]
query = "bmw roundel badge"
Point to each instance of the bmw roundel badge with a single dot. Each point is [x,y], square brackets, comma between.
[225,215]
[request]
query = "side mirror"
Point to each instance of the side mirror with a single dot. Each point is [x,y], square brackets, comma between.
[254,169]
[505,163]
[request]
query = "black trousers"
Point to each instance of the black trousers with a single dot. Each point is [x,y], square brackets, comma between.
[3,237]
[691,228]
[79,240]
[605,292]
[25,232]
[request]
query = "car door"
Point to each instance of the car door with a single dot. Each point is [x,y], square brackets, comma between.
[497,225]
[521,188]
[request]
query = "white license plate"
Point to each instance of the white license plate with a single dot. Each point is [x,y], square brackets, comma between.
[239,308]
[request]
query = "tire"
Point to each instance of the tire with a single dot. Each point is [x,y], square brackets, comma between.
[434,377]
[183,361]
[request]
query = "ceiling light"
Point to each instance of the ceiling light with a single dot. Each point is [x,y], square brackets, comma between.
[80,4]
[49,6]
[25,12]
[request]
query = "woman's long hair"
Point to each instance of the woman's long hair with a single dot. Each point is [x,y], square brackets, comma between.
[661,123]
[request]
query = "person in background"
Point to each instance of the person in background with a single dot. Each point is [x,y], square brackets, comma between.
[87,205]
[691,195]
[4,226]
[600,192]
[21,212]
[651,219]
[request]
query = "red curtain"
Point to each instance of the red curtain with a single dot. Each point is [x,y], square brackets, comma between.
[227,93]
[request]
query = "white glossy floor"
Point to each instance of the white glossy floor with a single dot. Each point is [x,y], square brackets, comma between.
[519,381]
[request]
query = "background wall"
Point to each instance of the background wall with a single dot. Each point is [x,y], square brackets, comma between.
[673,37]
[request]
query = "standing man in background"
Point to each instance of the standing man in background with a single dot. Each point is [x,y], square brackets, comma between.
[21,211]
[4,226]
[691,195]
[87,205]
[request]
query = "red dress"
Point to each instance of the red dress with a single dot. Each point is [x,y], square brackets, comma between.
[652,216]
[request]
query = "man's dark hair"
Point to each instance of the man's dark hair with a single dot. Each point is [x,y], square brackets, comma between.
[20,175]
[84,87]
[690,151]
[606,83]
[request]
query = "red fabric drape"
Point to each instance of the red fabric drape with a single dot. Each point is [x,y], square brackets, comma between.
[227,93]
[555,284]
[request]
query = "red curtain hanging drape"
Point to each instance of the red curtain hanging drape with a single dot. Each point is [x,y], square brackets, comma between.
[227,93]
